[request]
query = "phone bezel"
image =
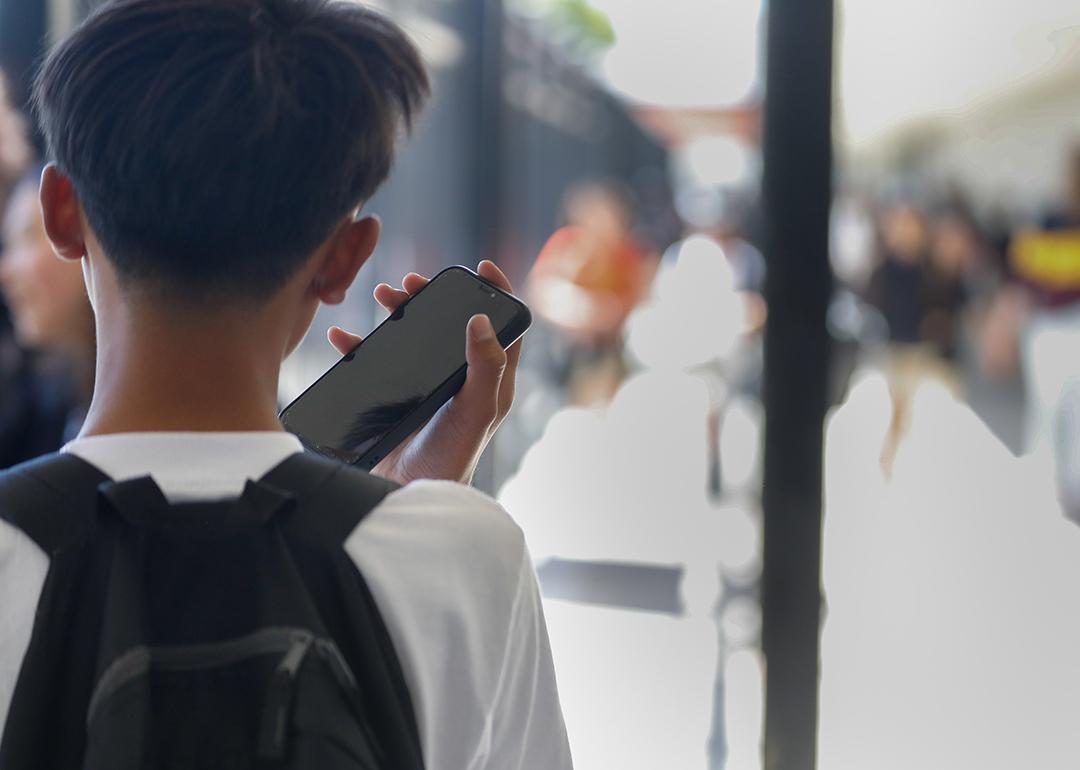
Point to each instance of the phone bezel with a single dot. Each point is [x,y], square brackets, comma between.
[427,408]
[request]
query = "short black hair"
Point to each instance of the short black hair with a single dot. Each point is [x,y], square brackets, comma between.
[214,144]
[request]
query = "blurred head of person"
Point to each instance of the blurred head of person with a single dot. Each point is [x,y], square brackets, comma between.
[211,158]
[905,233]
[601,208]
[954,248]
[45,295]
[15,153]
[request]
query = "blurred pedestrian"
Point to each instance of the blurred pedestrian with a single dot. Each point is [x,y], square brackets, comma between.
[590,275]
[1037,314]
[52,372]
[917,286]
[15,152]
[896,284]
[1045,271]
[953,255]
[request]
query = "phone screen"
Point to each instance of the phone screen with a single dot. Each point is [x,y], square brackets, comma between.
[352,407]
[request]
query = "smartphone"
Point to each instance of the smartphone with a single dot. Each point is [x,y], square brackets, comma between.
[409,366]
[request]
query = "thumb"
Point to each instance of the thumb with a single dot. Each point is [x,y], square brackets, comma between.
[476,404]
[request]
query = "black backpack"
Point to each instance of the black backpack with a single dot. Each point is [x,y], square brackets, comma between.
[228,634]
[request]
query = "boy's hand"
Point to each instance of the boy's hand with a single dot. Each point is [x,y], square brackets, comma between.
[449,445]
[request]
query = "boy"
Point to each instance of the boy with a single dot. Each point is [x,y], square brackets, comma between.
[211,158]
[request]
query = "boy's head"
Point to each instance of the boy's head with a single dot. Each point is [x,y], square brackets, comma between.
[214,145]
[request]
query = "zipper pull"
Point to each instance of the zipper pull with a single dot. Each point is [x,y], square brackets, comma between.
[329,652]
[332,656]
[275,719]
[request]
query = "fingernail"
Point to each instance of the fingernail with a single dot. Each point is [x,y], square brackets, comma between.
[480,328]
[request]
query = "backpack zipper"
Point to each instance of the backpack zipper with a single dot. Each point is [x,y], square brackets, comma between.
[138,661]
[295,643]
[272,732]
[330,653]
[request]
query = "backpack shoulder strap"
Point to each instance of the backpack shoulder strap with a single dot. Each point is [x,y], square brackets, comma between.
[341,494]
[333,499]
[52,499]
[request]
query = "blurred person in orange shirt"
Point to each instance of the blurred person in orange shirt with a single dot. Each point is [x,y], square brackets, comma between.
[592,272]
[587,279]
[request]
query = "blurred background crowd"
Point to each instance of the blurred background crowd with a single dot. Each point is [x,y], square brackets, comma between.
[608,157]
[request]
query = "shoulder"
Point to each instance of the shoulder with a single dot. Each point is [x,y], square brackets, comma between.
[446,521]
[45,466]
[46,480]
[447,559]
[447,567]
[21,485]
[446,555]
[24,565]
[50,500]
[467,505]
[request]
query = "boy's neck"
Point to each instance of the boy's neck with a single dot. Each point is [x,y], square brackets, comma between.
[160,373]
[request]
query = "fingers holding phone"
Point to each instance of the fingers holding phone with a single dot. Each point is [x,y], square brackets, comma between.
[391,298]
[476,405]
[450,443]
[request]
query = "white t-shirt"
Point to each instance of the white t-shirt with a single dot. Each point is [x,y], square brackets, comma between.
[448,569]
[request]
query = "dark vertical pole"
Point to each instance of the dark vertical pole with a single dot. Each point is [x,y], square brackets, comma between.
[797,195]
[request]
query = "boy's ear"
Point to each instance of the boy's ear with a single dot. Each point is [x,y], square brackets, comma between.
[350,248]
[60,213]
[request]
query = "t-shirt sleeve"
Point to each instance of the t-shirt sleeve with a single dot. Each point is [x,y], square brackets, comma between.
[23,567]
[455,586]
[527,729]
